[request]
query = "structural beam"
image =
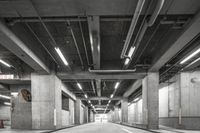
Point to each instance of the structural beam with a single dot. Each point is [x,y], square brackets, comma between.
[133,88]
[191,30]
[14,44]
[101,98]
[104,106]
[87,75]
[94,34]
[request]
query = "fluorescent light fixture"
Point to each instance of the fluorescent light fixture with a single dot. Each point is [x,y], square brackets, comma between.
[14,94]
[3,96]
[116,85]
[107,105]
[61,56]
[131,51]
[190,56]
[135,100]
[89,101]
[7,103]
[198,59]
[111,96]
[79,85]
[5,63]
[126,61]
[109,101]
[86,96]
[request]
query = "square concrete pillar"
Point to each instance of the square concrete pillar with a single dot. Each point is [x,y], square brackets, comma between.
[116,114]
[46,101]
[77,116]
[124,110]
[86,115]
[150,100]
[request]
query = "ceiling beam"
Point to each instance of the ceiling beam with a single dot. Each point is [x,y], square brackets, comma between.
[133,88]
[87,75]
[190,31]
[101,98]
[94,34]
[14,44]
[104,106]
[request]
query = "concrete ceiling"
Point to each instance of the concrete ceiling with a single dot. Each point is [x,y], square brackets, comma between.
[23,18]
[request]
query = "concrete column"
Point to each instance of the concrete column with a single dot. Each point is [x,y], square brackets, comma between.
[86,114]
[124,110]
[150,100]
[116,114]
[46,101]
[77,112]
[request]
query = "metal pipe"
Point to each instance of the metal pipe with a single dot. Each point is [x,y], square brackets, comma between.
[93,87]
[145,25]
[136,15]
[84,44]
[63,19]
[76,45]
[156,12]
[112,71]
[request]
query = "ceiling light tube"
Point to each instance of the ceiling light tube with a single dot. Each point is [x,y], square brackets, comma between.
[5,63]
[86,96]
[3,96]
[61,56]
[135,100]
[79,85]
[126,61]
[14,94]
[131,51]
[7,103]
[190,56]
[109,101]
[116,85]
[198,59]
[111,96]
[89,101]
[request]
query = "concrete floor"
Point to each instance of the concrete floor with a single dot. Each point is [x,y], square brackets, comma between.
[102,128]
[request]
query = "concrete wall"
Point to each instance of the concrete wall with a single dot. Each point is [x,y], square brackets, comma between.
[71,112]
[65,118]
[179,104]
[21,114]
[5,114]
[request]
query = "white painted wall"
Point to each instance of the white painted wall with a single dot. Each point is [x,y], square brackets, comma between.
[169,96]
[190,94]
[135,112]
[5,114]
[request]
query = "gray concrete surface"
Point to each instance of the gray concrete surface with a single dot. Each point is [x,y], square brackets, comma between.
[102,128]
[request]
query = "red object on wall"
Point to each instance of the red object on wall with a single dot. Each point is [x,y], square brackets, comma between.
[1,124]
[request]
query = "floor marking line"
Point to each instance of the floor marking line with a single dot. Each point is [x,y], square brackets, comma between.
[126,130]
